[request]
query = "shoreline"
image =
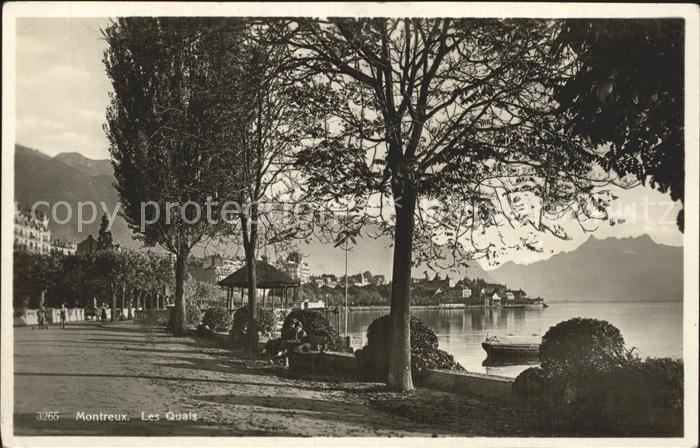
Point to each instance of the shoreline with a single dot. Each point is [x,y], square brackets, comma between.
[438,307]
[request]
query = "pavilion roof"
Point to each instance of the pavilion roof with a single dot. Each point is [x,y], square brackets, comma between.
[267,277]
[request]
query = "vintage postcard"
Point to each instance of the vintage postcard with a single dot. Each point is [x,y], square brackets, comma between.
[421,224]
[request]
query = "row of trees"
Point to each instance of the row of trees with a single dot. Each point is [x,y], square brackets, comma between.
[452,136]
[120,278]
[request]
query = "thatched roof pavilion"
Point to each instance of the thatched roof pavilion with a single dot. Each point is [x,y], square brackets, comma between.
[267,277]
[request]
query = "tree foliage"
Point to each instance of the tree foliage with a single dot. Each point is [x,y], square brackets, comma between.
[626,92]
[104,237]
[218,319]
[165,132]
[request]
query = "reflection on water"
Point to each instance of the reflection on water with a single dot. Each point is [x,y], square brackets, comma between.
[655,329]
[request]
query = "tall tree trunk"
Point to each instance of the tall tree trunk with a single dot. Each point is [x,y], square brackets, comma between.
[114,302]
[123,298]
[179,318]
[400,378]
[249,244]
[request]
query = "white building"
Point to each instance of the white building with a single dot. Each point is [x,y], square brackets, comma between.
[460,292]
[32,232]
[63,247]
[310,304]
[295,267]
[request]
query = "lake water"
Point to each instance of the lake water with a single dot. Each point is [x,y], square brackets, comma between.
[655,329]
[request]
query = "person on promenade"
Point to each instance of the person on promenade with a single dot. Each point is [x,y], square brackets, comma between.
[293,340]
[103,313]
[63,313]
[40,314]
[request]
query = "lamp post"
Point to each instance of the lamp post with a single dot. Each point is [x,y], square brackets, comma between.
[347,210]
[346,287]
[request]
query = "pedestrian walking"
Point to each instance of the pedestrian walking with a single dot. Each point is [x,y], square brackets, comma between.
[103,313]
[63,313]
[40,315]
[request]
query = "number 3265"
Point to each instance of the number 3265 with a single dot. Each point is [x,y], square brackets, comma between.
[50,416]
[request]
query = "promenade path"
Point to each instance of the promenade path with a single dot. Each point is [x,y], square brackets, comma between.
[115,369]
[95,369]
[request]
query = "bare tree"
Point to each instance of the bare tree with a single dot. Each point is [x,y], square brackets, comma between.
[266,124]
[444,128]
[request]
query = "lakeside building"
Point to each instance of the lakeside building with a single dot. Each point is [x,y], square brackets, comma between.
[378,280]
[433,286]
[318,281]
[295,267]
[309,304]
[31,232]
[460,291]
[90,244]
[214,268]
[63,247]
[357,280]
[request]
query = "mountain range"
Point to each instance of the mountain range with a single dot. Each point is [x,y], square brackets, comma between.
[72,178]
[627,269]
[619,270]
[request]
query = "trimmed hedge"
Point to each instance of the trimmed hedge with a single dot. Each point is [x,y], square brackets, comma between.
[373,359]
[314,323]
[582,345]
[218,319]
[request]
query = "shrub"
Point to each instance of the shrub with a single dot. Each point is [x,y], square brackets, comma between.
[628,399]
[314,323]
[528,388]
[194,315]
[663,378]
[589,383]
[373,359]
[218,319]
[266,322]
[583,346]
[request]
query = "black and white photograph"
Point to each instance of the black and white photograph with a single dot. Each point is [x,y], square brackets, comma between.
[437,224]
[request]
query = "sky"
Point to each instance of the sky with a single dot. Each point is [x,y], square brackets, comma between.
[62,88]
[62,92]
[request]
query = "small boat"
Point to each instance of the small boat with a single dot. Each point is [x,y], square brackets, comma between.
[510,347]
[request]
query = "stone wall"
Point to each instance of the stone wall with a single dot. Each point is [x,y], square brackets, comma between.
[342,365]
[469,382]
[53,315]
[326,363]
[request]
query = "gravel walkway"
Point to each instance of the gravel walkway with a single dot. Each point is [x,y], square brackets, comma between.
[116,369]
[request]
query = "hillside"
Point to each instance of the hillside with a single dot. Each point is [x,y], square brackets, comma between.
[627,269]
[39,177]
[91,167]
[630,269]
